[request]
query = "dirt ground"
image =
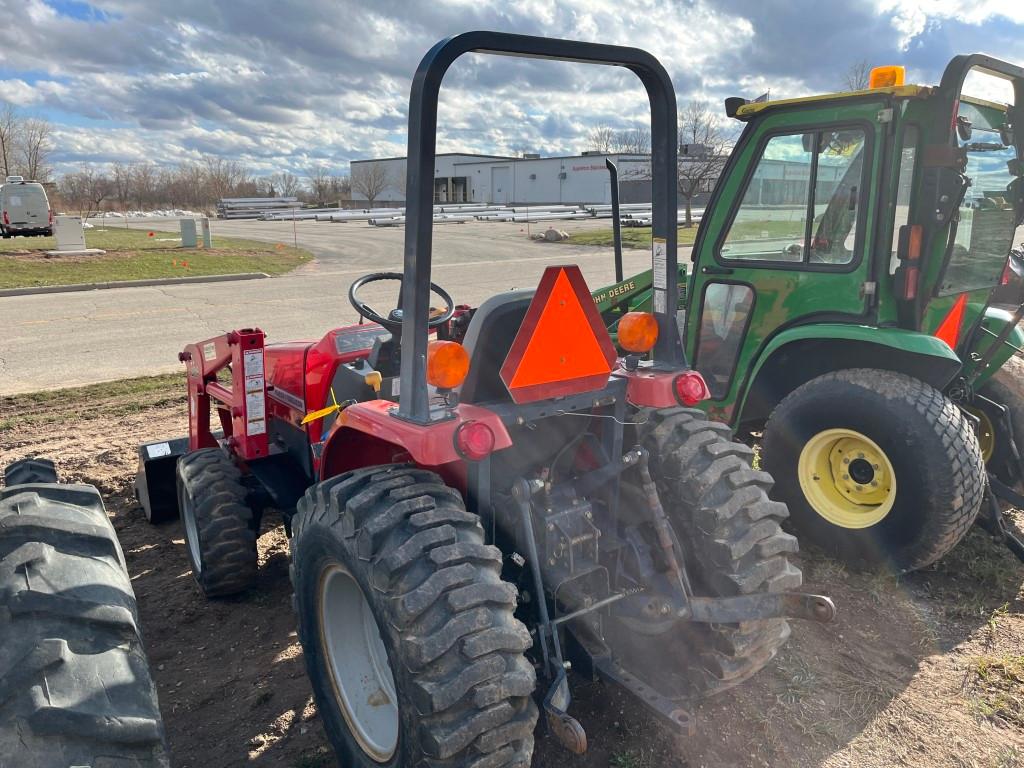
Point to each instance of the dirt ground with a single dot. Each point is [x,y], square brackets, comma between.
[922,671]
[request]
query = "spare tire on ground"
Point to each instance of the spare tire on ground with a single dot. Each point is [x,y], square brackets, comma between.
[75,686]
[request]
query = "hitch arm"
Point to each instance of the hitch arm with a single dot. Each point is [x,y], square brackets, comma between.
[781,605]
[994,522]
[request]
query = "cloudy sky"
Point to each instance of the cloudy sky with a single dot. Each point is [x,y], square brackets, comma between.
[290,84]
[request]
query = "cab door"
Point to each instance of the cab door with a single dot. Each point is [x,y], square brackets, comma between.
[788,240]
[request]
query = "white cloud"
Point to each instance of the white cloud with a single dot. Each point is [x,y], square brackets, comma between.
[913,17]
[285,84]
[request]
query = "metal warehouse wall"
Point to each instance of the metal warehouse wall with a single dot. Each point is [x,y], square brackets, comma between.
[554,179]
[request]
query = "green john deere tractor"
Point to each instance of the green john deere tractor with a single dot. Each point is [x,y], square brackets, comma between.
[840,303]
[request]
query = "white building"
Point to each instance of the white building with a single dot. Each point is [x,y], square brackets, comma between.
[575,179]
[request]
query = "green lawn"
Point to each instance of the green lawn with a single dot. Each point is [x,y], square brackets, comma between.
[133,254]
[640,237]
[632,237]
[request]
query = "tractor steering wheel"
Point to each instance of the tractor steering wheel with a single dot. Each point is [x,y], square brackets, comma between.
[393,320]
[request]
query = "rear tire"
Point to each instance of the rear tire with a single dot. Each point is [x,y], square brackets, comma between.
[220,526]
[75,687]
[1006,387]
[731,536]
[30,471]
[930,473]
[456,678]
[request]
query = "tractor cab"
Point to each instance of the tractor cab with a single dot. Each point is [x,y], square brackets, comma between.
[851,250]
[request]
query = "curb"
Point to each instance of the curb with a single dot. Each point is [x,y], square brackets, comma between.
[38,289]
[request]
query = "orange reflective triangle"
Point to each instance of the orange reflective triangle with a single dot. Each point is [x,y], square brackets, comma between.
[562,346]
[949,328]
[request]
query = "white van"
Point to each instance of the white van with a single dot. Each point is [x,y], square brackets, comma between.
[24,209]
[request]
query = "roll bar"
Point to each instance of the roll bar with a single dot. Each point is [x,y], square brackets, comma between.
[413,403]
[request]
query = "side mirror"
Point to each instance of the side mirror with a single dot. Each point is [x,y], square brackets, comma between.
[808,141]
[732,105]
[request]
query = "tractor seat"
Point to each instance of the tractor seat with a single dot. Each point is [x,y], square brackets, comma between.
[488,339]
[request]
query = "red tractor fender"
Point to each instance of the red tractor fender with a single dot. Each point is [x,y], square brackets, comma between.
[370,433]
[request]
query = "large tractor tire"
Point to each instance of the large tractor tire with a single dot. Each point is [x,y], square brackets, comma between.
[75,688]
[220,525]
[877,468]
[1006,387]
[731,536]
[407,628]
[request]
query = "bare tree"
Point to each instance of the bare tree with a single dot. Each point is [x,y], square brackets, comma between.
[286,184]
[702,153]
[143,184]
[35,147]
[10,124]
[319,179]
[86,190]
[340,188]
[602,138]
[633,141]
[121,183]
[223,178]
[856,76]
[370,179]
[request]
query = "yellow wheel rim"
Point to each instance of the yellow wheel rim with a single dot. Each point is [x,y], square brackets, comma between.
[986,432]
[847,478]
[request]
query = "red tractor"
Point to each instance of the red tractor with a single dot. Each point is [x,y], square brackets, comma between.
[480,499]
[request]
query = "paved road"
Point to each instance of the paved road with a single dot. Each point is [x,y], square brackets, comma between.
[57,340]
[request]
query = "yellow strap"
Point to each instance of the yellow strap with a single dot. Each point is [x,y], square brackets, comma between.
[313,416]
[321,413]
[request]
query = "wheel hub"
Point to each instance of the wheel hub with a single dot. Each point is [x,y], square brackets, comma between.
[847,478]
[357,662]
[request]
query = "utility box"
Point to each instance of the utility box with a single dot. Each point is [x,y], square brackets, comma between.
[69,233]
[204,224]
[188,233]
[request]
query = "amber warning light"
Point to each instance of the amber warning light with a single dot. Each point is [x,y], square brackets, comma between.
[887,77]
[562,347]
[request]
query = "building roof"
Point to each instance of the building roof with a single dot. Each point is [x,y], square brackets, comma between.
[439,154]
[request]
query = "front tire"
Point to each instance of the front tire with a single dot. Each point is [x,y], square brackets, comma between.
[731,535]
[876,467]
[220,527]
[435,674]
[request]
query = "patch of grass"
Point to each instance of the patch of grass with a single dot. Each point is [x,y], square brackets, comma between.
[632,237]
[999,682]
[640,237]
[319,760]
[632,758]
[114,398]
[133,255]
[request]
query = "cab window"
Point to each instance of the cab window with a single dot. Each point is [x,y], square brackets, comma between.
[802,203]
[987,217]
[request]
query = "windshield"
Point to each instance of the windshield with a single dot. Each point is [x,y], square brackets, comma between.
[987,217]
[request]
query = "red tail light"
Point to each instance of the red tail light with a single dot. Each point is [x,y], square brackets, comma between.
[474,440]
[690,388]
[50,212]
[7,221]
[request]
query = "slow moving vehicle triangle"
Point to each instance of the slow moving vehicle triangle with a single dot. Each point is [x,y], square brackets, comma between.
[562,347]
